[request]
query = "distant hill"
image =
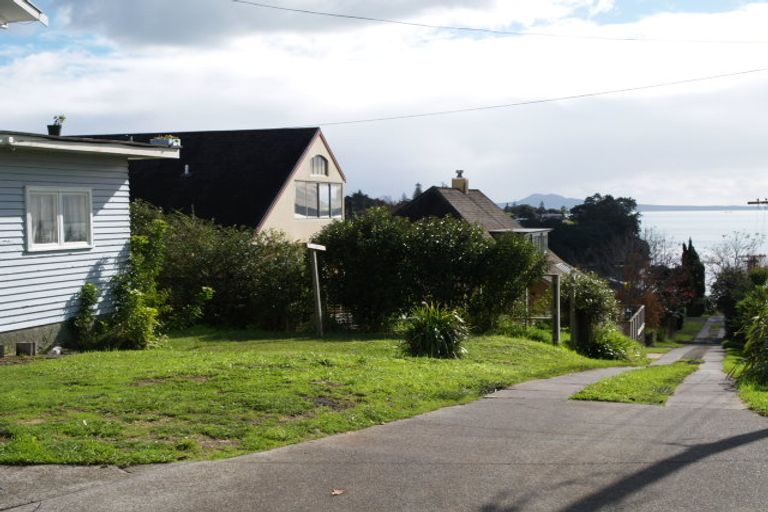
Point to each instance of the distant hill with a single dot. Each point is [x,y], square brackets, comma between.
[550,201]
[557,201]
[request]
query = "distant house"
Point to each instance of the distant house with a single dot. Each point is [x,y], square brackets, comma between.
[476,208]
[64,221]
[20,11]
[286,179]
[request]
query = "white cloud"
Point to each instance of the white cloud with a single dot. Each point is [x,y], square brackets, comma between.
[698,143]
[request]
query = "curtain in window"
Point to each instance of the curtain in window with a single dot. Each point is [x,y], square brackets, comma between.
[75,216]
[43,211]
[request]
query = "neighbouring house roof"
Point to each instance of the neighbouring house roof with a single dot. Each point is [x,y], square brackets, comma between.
[475,208]
[130,150]
[231,176]
[15,11]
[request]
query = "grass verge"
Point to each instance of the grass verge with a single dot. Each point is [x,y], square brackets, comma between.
[691,327]
[753,394]
[652,385]
[211,394]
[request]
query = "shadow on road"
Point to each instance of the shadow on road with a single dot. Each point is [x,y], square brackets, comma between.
[631,484]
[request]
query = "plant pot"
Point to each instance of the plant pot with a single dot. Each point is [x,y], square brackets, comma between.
[54,129]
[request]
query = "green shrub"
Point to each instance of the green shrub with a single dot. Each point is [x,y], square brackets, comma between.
[87,327]
[595,305]
[610,343]
[225,275]
[434,331]
[377,266]
[754,365]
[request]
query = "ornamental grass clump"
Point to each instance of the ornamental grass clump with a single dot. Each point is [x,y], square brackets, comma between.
[432,330]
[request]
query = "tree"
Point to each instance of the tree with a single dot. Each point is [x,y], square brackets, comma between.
[359,202]
[417,191]
[733,251]
[694,272]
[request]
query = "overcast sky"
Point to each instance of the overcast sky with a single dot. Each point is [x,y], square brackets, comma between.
[143,65]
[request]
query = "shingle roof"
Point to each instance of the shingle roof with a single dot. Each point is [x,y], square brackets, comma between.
[473,207]
[234,176]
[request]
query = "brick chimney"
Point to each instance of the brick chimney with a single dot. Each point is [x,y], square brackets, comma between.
[460,182]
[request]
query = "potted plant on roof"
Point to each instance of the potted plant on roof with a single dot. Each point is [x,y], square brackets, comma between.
[55,128]
[169,141]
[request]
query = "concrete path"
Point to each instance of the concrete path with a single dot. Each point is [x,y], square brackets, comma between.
[527,448]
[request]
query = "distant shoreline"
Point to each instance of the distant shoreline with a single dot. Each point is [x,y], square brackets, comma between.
[691,208]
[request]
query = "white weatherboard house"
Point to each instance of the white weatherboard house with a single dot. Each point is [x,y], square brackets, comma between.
[64,221]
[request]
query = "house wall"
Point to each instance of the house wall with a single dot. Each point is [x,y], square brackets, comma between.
[38,290]
[282,215]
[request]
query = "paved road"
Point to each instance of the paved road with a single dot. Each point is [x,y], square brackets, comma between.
[527,448]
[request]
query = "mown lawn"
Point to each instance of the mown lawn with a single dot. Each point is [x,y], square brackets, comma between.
[652,385]
[691,327]
[212,394]
[753,394]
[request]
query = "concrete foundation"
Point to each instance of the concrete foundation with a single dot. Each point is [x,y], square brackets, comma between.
[44,337]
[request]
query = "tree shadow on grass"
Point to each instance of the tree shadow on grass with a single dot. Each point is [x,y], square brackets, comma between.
[218,335]
[616,492]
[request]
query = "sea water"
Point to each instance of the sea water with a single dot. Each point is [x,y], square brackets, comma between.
[707,228]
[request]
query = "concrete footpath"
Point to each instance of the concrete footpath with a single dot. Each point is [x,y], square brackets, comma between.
[526,448]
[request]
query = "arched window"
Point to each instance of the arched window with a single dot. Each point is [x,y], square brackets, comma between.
[319,166]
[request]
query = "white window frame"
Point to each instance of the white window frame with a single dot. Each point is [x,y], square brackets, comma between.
[323,168]
[329,186]
[60,245]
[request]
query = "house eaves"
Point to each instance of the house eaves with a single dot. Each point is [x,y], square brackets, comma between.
[130,150]
[19,11]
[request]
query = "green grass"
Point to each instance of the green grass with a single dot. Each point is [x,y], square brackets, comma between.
[691,327]
[753,394]
[211,394]
[652,385]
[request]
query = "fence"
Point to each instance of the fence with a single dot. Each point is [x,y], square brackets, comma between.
[635,326]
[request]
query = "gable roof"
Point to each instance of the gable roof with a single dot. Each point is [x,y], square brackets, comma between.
[473,207]
[234,176]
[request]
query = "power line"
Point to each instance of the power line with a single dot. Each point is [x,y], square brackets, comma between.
[547,100]
[486,30]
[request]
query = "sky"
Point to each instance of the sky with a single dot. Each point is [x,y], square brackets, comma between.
[113,66]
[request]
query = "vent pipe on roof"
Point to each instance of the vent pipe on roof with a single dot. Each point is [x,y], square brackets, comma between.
[460,182]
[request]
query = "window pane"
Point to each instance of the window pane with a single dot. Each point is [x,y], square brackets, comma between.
[312,199]
[43,211]
[75,213]
[301,199]
[325,199]
[336,201]
[319,166]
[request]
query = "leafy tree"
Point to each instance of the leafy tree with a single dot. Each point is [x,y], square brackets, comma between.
[730,287]
[694,271]
[359,202]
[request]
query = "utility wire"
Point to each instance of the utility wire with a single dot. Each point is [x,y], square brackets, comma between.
[548,100]
[486,30]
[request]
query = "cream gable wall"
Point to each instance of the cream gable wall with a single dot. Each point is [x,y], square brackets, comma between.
[282,215]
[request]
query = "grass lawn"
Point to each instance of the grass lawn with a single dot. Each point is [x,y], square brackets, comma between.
[652,385]
[691,327]
[211,394]
[754,395]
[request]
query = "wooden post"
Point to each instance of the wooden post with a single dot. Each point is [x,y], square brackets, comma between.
[574,322]
[314,249]
[527,308]
[556,340]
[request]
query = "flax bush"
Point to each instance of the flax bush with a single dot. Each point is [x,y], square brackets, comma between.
[434,331]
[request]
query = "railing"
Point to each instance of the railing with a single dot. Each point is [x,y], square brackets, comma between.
[635,326]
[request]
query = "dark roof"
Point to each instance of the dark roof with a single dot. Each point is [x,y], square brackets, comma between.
[474,207]
[234,176]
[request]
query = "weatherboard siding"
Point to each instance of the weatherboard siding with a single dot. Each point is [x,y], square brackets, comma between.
[40,288]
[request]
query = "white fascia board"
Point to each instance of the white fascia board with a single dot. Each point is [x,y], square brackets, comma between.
[132,153]
[12,11]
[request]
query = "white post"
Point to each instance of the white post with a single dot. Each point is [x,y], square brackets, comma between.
[314,249]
